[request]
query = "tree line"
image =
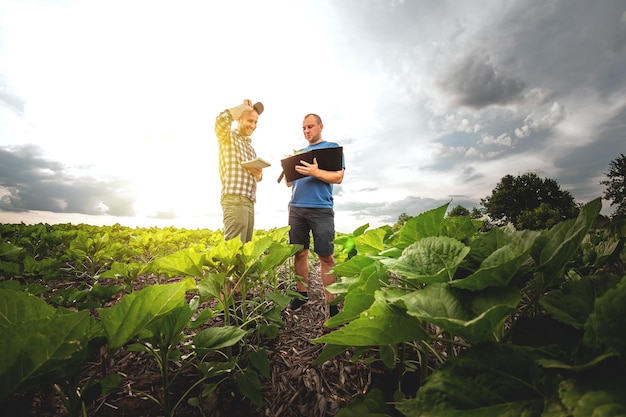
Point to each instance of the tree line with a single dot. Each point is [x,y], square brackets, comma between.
[530,202]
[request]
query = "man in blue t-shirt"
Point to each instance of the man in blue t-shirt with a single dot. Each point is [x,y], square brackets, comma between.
[311,211]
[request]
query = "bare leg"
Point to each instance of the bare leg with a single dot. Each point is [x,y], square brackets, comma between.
[326,264]
[301,265]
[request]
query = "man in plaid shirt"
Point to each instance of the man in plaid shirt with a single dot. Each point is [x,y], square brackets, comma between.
[238,183]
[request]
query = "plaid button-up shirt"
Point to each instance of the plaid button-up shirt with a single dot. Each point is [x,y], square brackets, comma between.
[234,148]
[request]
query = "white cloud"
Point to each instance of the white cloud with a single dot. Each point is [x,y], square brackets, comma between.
[555,115]
[501,140]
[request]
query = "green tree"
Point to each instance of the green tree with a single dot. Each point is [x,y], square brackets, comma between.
[403,218]
[459,211]
[542,217]
[616,186]
[529,202]
[477,213]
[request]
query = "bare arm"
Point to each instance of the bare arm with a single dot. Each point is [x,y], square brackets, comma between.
[237,111]
[223,123]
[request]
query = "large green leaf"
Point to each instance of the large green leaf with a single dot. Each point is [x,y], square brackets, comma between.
[166,330]
[18,307]
[435,300]
[212,286]
[360,295]
[424,225]
[10,269]
[261,362]
[574,301]
[226,255]
[185,263]
[371,404]
[249,384]
[557,245]
[9,250]
[371,242]
[484,244]
[484,328]
[499,268]
[132,269]
[438,305]
[214,338]
[276,256]
[43,350]
[460,227]
[429,260]
[607,323]
[381,324]
[480,301]
[490,380]
[137,310]
[601,397]
[353,266]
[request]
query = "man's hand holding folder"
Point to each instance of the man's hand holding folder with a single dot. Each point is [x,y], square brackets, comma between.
[328,159]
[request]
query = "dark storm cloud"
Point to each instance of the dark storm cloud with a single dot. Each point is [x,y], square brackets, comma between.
[476,82]
[619,38]
[561,45]
[30,182]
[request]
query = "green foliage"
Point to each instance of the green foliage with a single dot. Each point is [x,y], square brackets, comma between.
[136,311]
[542,217]
[402,219]
[165,322]
[606,324]
[458,211]
[484,381]
[532,321]
[370,404]
[91,253]
[431,259]
[616,186]
[41,344]
[529,202]
[528,328]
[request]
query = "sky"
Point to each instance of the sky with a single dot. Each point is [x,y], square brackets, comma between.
[107,108]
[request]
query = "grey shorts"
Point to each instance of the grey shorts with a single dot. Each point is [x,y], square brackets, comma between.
[318,221]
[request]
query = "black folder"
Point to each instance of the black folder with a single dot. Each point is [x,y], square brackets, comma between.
[328,159]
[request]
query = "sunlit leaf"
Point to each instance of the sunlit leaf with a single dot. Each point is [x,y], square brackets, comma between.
[370,242]
[18,306]
[429,260]
[381,324]
[137,310]
[499,268]
[185,263]
[424,225]
[44,350]
[557,245]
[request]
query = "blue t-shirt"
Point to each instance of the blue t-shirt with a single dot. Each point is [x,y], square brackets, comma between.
[309,191]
